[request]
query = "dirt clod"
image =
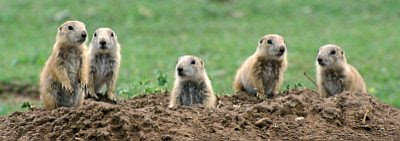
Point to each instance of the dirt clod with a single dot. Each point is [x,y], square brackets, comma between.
[296,115]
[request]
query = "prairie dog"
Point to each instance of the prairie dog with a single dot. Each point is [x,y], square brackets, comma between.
[104,62]
[262,73]
[62,79]
[192,85]
[334,75]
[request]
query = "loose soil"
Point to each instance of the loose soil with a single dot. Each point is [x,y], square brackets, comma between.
[295,115]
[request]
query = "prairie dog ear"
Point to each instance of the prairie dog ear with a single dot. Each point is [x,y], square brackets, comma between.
[319,49]
[261,40]
[201,62]
[340,50]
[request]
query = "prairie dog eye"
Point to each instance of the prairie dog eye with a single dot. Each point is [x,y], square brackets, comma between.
[193,62]
[333,52]
[112,34]
[269,41]
[70,28]
[95,35]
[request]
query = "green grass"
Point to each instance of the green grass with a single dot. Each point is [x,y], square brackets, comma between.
[154,33]
[11,103]
[7,107]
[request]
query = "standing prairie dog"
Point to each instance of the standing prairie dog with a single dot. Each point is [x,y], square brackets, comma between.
[262,73]
[334,75]
[192,85]
[63,76]
[104,62]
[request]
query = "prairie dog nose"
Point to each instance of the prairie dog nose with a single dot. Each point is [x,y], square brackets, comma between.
[282,49]
[84,35]
[319,59]
[102,43]
[179,69]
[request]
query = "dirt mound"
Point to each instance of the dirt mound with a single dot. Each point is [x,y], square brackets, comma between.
[297,115]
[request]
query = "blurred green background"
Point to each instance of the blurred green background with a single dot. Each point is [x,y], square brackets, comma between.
[154,33]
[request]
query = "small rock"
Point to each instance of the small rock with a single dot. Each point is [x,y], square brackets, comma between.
[166,138]
[299,118]
[62,15]
[237,14]
[145,12]
[263,122]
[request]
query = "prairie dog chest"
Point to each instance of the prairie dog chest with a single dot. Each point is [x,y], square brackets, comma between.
[268,70]
[102,65]
[71,59]
[334,82]
[192,92]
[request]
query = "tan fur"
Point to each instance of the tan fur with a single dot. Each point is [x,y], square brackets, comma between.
[196,73]
[335,67]
[104,62]
[266,64]
[59,70]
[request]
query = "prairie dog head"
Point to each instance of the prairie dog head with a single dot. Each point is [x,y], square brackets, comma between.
[273,45]
[330,56]
[104,40]
[189,67]
[72,33]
